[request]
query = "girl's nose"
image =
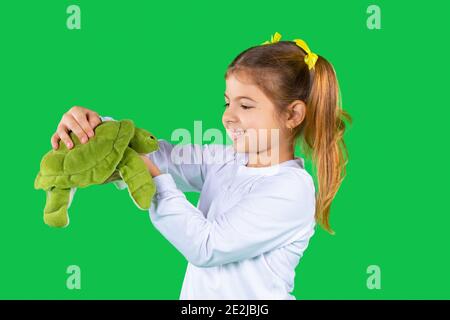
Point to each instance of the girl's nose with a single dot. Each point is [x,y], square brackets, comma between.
[229,116]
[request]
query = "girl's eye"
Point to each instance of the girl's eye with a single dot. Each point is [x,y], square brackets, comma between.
[243,107]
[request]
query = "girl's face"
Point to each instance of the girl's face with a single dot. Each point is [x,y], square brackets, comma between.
[250,119]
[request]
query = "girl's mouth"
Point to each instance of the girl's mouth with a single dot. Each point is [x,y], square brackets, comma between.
[236,133]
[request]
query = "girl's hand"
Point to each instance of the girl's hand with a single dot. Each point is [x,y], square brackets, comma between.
[152,168]
[81,121]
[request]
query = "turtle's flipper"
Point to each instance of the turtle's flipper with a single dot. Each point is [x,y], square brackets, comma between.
[116,179]
[55,211]
[135,174]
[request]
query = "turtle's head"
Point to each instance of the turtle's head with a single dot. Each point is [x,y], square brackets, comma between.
[143,141]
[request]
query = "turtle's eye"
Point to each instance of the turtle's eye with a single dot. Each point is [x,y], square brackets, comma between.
[152,137]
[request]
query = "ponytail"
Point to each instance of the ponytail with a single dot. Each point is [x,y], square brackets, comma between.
[323,138]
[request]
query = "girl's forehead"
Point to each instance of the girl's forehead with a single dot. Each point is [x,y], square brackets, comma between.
[236,87]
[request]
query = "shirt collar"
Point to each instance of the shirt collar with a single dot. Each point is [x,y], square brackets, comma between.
[242,160]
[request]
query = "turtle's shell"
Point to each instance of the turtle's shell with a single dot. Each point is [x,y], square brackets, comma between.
[89,163]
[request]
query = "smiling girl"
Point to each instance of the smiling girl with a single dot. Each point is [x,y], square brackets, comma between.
[254,218]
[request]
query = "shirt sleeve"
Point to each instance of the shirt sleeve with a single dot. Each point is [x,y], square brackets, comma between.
[272,215]
[189,163]
[103,119]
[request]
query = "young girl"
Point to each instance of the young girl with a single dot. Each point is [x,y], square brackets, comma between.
[254,219]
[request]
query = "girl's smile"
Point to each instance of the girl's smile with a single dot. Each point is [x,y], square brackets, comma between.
[235,134]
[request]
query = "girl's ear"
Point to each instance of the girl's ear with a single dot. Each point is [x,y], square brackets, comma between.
[296,112]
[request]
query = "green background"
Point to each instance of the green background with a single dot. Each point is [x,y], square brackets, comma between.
[162,65]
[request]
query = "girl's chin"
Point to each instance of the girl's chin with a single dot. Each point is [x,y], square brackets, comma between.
[239,147]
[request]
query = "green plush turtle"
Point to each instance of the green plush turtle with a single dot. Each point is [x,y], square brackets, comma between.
[111,155]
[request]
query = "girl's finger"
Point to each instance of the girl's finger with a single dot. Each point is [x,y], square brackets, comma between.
[54,141]
[64,136]
[93,119]
[73,125]
[81,119]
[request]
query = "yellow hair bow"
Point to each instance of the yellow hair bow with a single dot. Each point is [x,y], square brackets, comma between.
[310,57]
[275,38]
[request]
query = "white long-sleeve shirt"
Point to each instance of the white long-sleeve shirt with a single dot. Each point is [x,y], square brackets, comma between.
[249,229]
